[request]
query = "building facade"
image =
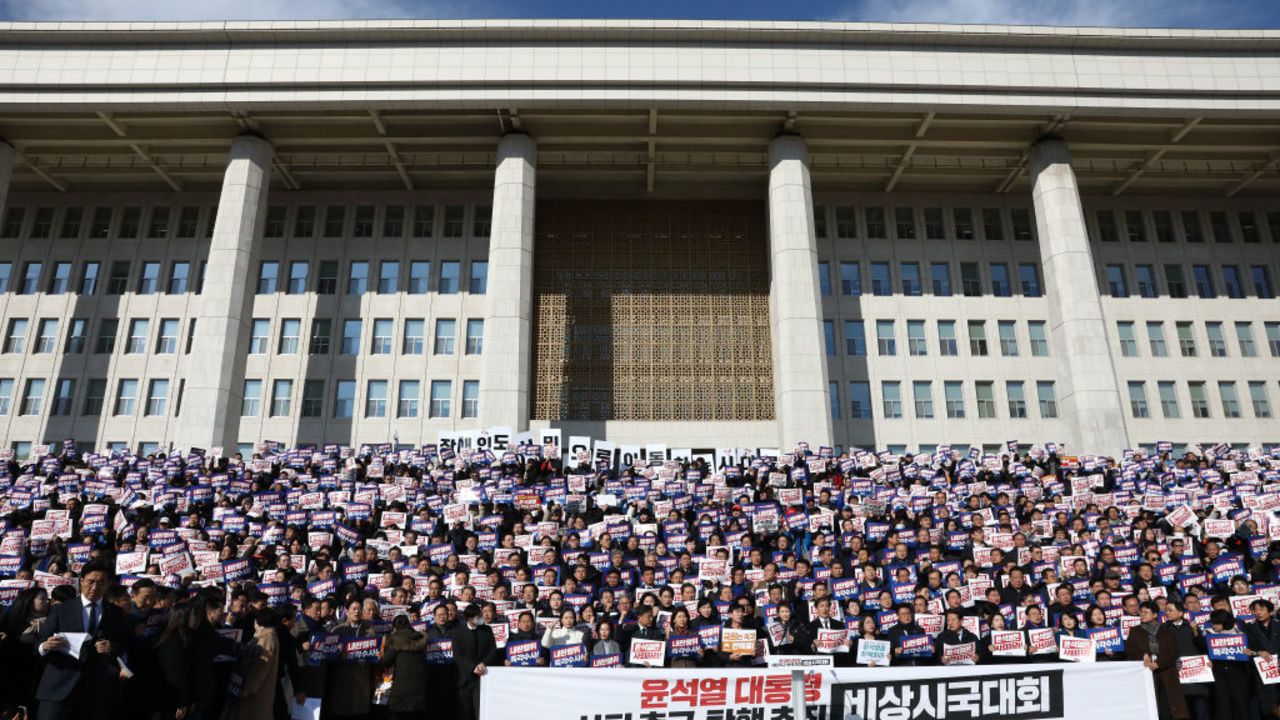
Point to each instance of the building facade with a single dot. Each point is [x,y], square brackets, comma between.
[707,234]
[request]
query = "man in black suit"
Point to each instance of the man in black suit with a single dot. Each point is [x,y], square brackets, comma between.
[86,688]
[474,650]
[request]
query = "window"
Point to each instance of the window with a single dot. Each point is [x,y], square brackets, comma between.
[362,225]
[1163,221]
[905,223]
[274,227]
[419,277]
[424,221]
[986,394]
[6,395]
[992,224]
[1000,280]
[88,278]
[1008,338]
[335,220]
[350,337]
[281,398]
[290,332]
[934,226]
[470,398]
[855,338]
[479,282]
[31,279]
[268,276]
[159,225]
[1186,340]
[1128,340]
[178,275]
[64,391]
[407,400]
[157,396]
[1039,338]
[106,342]
[1217,343]
[251,401]
[1261,282]
[46,335]
[358,280]
[42,227]
[136,342]
[962,218]
[886,344]
[259,336]
[94,397]
[824,278]
[454,220]
[977,338]
[13,223]
[327,281]
[126,397]
[1174,280]
[59,278]
[446,331]
[1138,399]
[970,281]
[953,392]
[1248,226]
[1204,281]
[850,279]
[910,278]
[375,401]
[917,345]
[167,337]
[1135,229]
[881,282]
[1273,337]
[1244,339]
[947,338]
[298,270]
[860,400]
[1230,401]
[414,334]
[1168,399]
[449,270]
[16,340]
[76,334]
[829,337]
[1107,226]
[1048,399]
[33,398]
[1029,279]
[875,223]
[321,331]
[1116,282]
[1199,400]
[891,394]
[1231,282]
[1220,227]
[118,283]
[312,398]
[393,221]
[475,336]
[941,276]
[1191,228]
[922,393]
[1258,397]
[441,392]
[1155,338]
[846,223]
[833,399]
[71,222]
[1017,402]
[388,277]
[1146,280]
[383,335]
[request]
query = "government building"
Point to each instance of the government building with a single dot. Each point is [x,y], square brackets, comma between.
[703,234]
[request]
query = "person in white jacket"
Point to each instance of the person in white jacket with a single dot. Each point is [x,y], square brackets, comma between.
[566,633]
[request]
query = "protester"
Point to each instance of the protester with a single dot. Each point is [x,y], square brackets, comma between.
[403,651]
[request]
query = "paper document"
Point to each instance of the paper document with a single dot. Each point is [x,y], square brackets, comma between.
[309,710]
[75,642]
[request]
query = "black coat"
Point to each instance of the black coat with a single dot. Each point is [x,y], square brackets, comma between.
[178,678]
[403,653]
[472,647]
[94,675]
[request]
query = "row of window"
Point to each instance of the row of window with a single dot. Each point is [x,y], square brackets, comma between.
[1142,281]
[288,340]
[1193,226]
[1198,394]
[302,221]
[855,339]
[1188,344]
[953,398]
[125,401]
[911,282]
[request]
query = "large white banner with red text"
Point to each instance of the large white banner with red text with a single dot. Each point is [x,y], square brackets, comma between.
[1093,691]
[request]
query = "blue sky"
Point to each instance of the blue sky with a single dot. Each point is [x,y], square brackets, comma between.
[1148,13]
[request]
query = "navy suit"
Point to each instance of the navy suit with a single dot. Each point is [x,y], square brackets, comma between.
[88,688]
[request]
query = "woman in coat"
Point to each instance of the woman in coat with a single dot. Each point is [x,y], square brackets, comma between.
[402,651]
[259,672]
[175,652]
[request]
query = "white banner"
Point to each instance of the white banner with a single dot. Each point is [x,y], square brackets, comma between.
[1060,691]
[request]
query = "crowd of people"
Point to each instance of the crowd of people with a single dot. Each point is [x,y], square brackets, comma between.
[374,582]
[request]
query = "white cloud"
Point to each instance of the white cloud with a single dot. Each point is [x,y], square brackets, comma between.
[1147,13]
[216,9]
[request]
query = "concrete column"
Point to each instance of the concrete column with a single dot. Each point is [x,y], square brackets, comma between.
[7,154]
[1088,392]
[795,306]
[215,373]
[505,373]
